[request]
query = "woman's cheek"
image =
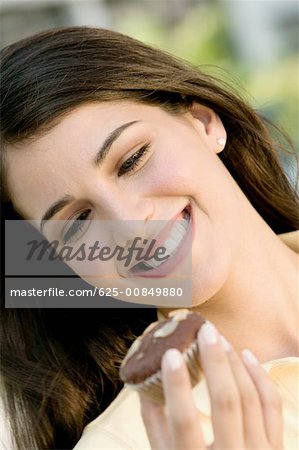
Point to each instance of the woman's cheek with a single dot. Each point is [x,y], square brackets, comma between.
[165,175]
[96,268]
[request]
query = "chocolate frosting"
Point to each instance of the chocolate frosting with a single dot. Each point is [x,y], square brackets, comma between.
[146,360]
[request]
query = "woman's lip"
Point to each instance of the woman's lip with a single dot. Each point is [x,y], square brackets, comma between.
[185,246]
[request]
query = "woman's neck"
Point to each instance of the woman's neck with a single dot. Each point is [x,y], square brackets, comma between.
[257,307]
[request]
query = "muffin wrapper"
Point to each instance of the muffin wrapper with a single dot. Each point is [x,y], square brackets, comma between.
[152,386]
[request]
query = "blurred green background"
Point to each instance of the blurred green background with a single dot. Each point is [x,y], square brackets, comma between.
[254,44]
[212,34]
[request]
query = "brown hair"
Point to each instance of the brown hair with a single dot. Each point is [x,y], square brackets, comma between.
[60,369]
[44,77]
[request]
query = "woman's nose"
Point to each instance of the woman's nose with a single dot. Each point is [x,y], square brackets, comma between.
[129,220]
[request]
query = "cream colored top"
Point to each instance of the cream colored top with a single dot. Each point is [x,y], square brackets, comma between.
[120,427]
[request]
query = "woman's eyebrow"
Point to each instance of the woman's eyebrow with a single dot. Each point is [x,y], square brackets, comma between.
[111,138]
[100,156]
[54,209]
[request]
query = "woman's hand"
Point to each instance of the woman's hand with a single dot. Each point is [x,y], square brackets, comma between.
[246,409]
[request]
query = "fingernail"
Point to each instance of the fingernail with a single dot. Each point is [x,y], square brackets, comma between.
[172,359]
[249,357]
[225,344]
[208,333]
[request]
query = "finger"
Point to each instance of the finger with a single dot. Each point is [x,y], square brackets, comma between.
[225,399]
[155,422]
[183,417]
[269,397]
[252,414]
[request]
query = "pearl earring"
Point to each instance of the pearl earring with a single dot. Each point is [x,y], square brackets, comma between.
[221,141]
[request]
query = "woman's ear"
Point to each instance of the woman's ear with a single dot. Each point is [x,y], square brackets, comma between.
[211,124]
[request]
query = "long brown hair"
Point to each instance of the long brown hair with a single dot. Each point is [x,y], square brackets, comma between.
[44,77]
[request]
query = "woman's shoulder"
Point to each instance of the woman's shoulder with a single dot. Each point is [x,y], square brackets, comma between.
[120,427]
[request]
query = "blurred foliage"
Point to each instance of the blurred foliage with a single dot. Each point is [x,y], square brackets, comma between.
[202,36]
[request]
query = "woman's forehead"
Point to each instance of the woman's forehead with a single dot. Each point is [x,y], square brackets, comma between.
[79,127]
[101,115]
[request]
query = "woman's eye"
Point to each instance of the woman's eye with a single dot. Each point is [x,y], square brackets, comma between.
[133,161]
[78,225]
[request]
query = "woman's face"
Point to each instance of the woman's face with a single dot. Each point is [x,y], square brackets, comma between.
[175,168]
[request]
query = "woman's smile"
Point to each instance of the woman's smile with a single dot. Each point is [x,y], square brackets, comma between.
[176,238]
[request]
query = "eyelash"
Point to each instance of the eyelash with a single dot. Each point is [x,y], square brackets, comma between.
[135,158]
[78,223]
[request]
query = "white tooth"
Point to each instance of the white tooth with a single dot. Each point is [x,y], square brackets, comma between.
[170,245]
[153,263]
[178,232]
[177,235]
[147,264]
[185,223]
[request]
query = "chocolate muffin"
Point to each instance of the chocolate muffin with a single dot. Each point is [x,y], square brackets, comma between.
[141,368]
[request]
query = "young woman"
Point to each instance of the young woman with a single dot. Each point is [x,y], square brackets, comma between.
[178,141]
